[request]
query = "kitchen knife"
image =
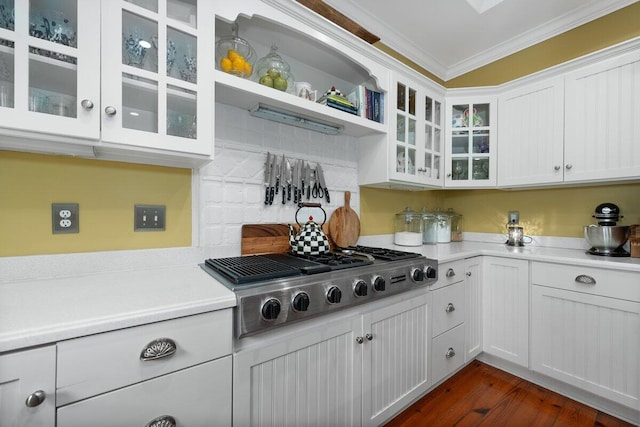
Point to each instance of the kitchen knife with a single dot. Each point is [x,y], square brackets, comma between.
[294,184]
[272,179]
[267,165]
[300,181]
[303,179]
[288,180]
[283,178]
[307,175]
[278,174]
[323,184]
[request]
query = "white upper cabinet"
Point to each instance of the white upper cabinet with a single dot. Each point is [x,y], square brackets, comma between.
[49,72]
[470,143]
[157,57]
[531,132]
[601,129]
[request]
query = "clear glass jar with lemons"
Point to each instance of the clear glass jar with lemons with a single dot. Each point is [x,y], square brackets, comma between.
[234,55]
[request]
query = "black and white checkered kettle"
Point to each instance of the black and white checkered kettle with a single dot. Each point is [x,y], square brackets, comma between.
[311,240]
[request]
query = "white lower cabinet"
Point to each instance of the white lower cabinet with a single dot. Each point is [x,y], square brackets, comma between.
[505,309]
[359,370]
[473,308]
[27,388]
[584,336]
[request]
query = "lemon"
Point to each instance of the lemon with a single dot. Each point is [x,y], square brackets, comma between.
[248,69]
[238,64]
[233,54]
[225,64]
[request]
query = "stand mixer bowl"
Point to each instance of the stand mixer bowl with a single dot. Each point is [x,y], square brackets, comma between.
[607,238]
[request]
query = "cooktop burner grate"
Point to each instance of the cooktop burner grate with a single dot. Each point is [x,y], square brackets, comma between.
[246,269]
[385,254]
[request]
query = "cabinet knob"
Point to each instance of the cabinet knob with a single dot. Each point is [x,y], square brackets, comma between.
[450,353]
[359,340]
[450,273]
[585,280]
[448,175]
[87,104]
[449,308]
[158,349]
[162,421]
[468,274]
[110,110]
[369,337]
[569,166]
[35,398]
[556,168]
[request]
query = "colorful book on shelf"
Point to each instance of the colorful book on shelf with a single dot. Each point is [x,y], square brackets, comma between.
[336,99]
[340,106]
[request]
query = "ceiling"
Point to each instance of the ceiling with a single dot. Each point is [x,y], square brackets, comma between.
[450,37]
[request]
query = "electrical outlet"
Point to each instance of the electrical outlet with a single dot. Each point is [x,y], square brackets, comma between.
[514,217]
[149,217]
[65,218]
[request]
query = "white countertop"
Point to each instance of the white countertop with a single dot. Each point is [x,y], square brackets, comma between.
[49,298]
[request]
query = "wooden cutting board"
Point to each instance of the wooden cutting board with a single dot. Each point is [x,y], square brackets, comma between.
[268,238]
[344,224]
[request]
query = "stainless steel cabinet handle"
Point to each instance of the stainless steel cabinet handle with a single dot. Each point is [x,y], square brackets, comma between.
[158,349]
[556,168]
[449,308]
[468,274]
[110,110]
[35,398]
[369,337]
[162,421]
[569,166]
[359,340]
[86,104]
[450,353]
[450,273]
[585,280]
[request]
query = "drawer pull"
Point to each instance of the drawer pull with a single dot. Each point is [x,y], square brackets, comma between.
[35,398]
[449,308]
[369,337]
[585,280]
[450,353]
[162,421]
[359,340]
[450,273]
[158,349]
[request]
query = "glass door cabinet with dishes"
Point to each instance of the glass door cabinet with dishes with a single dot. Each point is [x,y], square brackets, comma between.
[156,74]
[470,148]
[417,135]
[50,68]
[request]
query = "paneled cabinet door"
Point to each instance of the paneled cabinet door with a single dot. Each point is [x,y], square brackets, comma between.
[416,137]
[312,378]
[531,130]
[589,341]
[157,62]
[470,142]
[396,341]
[505,309]
[601,124]
[473,300]
[28,388]
[50,68]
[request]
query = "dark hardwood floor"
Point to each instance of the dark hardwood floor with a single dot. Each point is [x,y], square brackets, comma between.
[481,395]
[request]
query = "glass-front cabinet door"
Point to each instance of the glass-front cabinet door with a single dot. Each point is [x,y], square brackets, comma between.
[50,67]
[416,148]
[471,158]
[157,74]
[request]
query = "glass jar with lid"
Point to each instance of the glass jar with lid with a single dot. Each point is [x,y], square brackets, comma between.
[443,227]
[429,227]
[273,71]
[408,228]
[457,225]
[234,55]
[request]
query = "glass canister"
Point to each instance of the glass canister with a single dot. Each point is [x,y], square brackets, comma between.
[457,225]
[429,227]
[443,226]
[275,72]
[408,228]
[234,55]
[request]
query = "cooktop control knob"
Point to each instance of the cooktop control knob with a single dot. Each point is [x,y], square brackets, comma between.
[430,272]
[301,301]
[334,295]
[360,288]
[417,275]
[271,309]
[379,284]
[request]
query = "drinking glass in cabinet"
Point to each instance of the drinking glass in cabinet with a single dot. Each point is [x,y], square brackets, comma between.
[54,21]
[480,168]
[52,83]
[139,103]
[7,15]
[181,56]
[481,142]
[459,169]
[181,112]
[138,47]
[6,73]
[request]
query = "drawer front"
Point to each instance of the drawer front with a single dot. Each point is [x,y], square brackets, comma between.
[609,283]
[197,396]
[448,308]
[447,353]
[99,363]
[449,273]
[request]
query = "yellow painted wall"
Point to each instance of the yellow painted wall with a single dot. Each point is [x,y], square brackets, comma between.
[106,192]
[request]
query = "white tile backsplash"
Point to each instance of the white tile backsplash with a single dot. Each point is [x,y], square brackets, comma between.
[232,188]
